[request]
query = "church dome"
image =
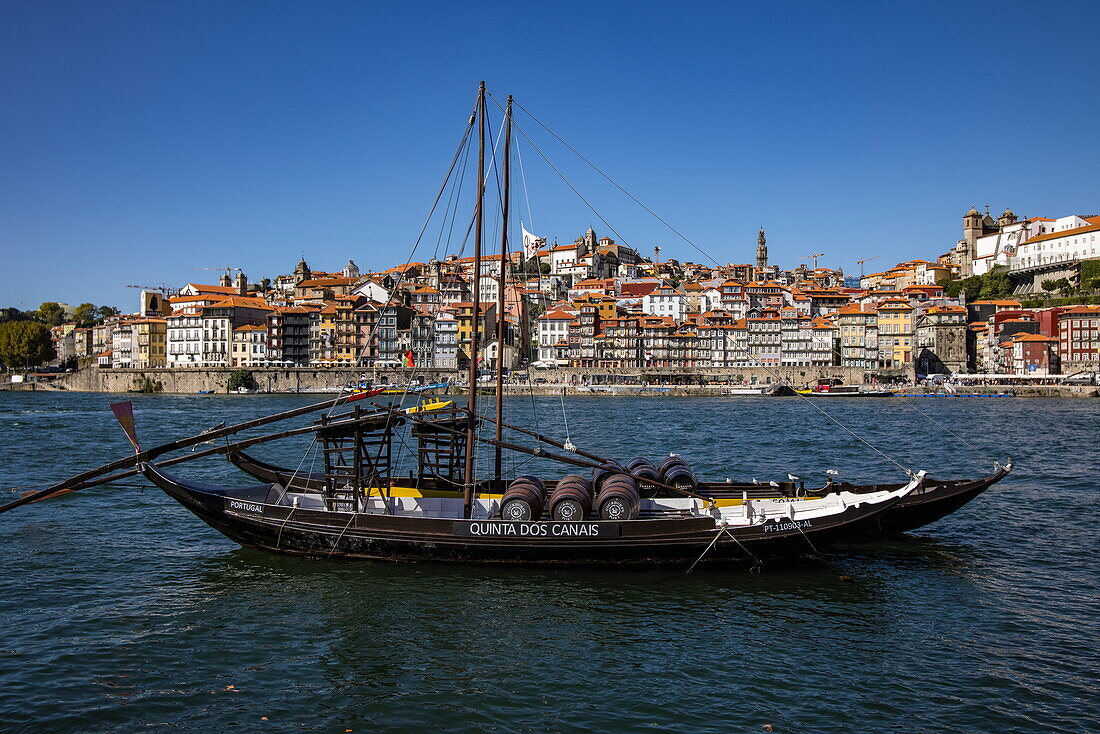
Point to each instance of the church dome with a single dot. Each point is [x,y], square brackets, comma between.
[973,213]
[1008,213]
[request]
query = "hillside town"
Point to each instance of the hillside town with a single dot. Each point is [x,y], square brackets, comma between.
[597,304]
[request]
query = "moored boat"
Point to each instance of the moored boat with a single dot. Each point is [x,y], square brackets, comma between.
[671,531]
[932,501]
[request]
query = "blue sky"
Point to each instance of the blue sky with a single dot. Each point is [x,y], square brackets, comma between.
[140,140]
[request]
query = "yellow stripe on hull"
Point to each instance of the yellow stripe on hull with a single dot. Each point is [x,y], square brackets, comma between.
[414,492]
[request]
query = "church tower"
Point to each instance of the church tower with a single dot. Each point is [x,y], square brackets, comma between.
[972,227]
[761,250]
[301,271]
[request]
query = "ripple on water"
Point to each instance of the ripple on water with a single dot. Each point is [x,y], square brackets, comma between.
[121,611]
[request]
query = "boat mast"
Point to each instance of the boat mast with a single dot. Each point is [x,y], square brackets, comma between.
[500,282]
[471,425]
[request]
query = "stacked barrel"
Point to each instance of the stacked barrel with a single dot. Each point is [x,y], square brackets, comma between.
[523,499]
[646,474]
[571,498]
[614,491]
[676,472]
[618,498]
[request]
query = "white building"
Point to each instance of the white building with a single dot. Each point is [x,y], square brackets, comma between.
[665,301]
[445,335]
[123,340]
[553,328]
[185,336]
[1037,242]
[1064,240]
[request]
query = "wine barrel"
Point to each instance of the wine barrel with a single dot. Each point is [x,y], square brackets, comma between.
[681,476]
[668,463]
[523,499]
[619,498]
[647,476]
[601,474]
[571,498]
[633,464]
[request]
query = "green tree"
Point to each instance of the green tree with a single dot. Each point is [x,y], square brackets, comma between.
[25,343]
[265,285]
[1049,285]
[85,314]
[544,268]
[1063,285]
[14,314]
[51,313]
[106,312]
[241,378]
[995,284]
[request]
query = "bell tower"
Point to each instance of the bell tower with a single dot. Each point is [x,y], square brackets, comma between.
[761,250]
[972,227]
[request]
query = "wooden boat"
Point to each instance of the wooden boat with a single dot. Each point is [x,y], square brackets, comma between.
[934,500]
[394,528]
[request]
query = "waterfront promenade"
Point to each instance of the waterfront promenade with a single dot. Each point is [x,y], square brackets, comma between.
[538,382]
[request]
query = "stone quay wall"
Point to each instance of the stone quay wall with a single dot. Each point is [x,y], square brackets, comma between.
[310,379]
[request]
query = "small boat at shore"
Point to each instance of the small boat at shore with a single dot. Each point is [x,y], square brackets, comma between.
[773,390]
[845,391]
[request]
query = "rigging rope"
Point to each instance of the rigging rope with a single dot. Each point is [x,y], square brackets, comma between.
[687,240]
[615,184]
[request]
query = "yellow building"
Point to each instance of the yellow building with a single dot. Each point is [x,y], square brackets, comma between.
[322,339]
[152,343]
[605,305]
[895,333]
[464,314]
[249,345]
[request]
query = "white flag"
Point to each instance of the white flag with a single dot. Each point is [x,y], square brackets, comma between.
[530,242]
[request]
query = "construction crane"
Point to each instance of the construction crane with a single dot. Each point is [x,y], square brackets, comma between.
[163,288]
[227,269]
[865,260]
[814,256]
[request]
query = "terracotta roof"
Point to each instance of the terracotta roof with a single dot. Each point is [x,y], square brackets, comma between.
[239,302]
[556,316]
[323,282]
[1076,310]
[212,289]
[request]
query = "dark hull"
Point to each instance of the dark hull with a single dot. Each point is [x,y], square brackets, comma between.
[245,516]
[926,505]
[934,501]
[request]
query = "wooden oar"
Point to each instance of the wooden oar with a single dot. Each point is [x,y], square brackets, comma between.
[226,449]
[92,477]
[546,439]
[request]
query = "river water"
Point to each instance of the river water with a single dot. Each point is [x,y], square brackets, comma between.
[121,611]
